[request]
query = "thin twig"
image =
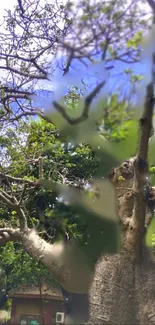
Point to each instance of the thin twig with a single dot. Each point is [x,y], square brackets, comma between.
[14,204]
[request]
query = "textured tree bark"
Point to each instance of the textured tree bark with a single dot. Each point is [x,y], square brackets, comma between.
[65,261]
[123,288]
[123,291]
[112,294]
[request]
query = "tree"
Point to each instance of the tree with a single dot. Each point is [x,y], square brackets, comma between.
[116,293]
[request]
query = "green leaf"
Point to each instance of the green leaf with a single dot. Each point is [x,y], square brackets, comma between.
[135,40]
[13,213]
[150,236]
[126,148]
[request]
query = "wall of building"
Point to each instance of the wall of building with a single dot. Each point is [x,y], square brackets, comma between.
[34,306]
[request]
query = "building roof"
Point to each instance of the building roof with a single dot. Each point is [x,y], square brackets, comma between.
[52,293]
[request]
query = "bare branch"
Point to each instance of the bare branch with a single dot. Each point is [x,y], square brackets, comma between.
[10,231]
[41,170]
[21,7]
[20,180]
[15,91]
[24,74]
[66,69]
[14,97]
[23,193]
[14,204]
[39,68]
[6,198]
[85,111]
[146,124]
[31,113]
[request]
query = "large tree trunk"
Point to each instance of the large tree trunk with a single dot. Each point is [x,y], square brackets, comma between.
[112,294]
[123,292]
[123,288]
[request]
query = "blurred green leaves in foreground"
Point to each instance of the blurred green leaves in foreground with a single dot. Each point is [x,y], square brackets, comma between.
[76,197]
[101,131]
[111,148]
[97,213]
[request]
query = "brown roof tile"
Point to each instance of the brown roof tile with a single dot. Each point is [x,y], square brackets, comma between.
[50,293]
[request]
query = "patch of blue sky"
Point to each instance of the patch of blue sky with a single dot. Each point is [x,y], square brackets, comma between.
[90,74]
[79,76]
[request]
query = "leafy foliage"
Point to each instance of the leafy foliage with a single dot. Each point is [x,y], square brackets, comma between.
[64,162]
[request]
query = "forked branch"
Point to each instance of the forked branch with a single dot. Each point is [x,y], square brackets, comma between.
[85,112]
[13,203]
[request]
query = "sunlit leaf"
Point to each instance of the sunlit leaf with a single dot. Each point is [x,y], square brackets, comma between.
[151,231]
[126,148]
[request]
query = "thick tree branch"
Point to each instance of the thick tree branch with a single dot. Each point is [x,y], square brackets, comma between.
[65,262]
[9,234]
[19,180]
[6,198]
[141,168]
[21,7]
[131,201]
[146,122]
[151,4]
[39,68]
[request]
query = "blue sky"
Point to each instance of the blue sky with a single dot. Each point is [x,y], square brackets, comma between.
[117,77]
[95,73]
